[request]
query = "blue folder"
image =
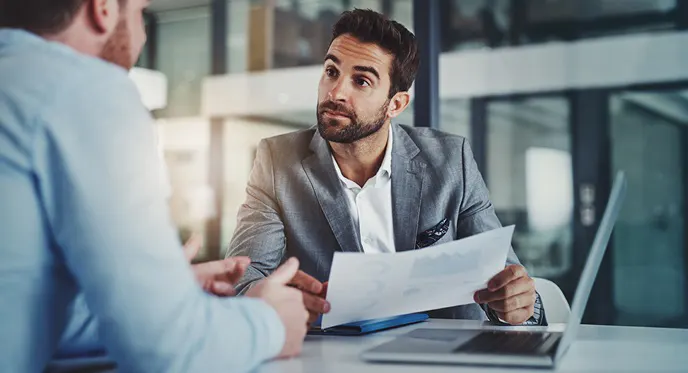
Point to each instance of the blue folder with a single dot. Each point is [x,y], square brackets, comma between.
[370,326]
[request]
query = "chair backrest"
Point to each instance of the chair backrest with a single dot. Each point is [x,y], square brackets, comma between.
[556,306]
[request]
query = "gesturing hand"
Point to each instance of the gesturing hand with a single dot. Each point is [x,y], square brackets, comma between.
[218,277]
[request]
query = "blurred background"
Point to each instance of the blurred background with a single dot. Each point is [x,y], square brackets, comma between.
[554,96]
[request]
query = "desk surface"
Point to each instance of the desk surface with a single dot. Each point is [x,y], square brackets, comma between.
[597,349]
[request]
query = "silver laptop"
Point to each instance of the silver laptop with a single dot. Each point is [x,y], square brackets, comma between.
[506,347]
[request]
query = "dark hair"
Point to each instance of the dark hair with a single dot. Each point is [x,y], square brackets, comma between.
[40,16]
[369,26]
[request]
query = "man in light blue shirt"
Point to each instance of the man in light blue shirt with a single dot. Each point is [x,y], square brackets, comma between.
[81,216]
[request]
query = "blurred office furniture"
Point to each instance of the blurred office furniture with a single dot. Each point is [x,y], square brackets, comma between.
[556,306]
[152,86]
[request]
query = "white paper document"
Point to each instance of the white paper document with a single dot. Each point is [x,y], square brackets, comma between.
[369,286]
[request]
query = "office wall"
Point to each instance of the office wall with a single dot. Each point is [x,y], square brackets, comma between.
[183,55]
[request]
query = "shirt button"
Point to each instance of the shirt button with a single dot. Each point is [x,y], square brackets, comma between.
[368,240]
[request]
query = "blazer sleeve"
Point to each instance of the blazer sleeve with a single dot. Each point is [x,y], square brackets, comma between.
[260,231]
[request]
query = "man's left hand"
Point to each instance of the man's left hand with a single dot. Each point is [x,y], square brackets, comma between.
[314,295]
[511,294]
[217,277]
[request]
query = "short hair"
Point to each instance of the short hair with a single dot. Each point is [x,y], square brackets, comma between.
[369,26]
[41,17]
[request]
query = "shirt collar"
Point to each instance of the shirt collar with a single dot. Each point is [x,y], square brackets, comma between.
[383,174]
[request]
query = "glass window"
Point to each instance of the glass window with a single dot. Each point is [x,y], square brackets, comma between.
[144,59]
[289,33]
[649,137]
[470,24]
[529,174]
[237,35]
[183,55]
[455,117]
[548,11]
[402,12]
[573,19]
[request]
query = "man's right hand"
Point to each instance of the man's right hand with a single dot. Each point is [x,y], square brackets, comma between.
[288,302]
[314,294]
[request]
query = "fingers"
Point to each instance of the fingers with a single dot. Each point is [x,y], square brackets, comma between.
[316,304]
[306,282]
[323,293]
[518,316]
[506,276]
[514,288]
[222,289]
[241,265]
[285,272]
[220,277]
[192,246]
[215,268]
[513,303]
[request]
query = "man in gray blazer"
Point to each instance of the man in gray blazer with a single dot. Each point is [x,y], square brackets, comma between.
[358,183]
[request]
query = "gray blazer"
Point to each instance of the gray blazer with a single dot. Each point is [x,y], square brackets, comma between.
[296,205]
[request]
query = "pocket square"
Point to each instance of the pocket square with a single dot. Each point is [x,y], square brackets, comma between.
[432,235]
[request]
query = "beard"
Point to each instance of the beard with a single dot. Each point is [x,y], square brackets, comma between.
[117,49]
[332,130]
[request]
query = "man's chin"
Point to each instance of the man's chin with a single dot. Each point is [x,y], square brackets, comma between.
[332,133]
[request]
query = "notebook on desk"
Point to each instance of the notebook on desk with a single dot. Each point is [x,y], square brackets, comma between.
[369,326]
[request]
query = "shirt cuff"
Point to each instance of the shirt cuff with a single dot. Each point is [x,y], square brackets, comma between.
[538,317]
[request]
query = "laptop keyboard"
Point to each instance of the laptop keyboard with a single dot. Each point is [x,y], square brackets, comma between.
[510,342]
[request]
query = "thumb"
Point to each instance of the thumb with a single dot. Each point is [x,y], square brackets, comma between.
[215,268]
[285,272]
[192,246]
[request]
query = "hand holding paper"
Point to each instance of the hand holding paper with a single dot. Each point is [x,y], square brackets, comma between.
[369,286]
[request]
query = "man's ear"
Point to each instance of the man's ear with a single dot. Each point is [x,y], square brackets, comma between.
[398,103]
[104,15]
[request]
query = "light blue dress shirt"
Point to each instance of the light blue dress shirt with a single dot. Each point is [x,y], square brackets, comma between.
[82,217]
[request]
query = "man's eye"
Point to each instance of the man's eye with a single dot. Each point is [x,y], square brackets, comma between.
[362,82]
[331,72]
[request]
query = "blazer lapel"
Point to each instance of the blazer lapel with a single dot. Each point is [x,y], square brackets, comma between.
[407,188]
[330,194]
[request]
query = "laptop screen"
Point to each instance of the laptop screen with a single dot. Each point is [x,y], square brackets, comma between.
[592,265]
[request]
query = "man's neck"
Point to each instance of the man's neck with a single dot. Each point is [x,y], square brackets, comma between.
[361,160]
[79,37]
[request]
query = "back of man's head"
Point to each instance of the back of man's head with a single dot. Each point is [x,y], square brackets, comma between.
[43,17]
[110,29]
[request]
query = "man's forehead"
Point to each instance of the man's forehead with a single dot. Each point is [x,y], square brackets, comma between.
[350,50]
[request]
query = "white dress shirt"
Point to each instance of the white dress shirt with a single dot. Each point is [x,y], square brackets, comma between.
[371,206]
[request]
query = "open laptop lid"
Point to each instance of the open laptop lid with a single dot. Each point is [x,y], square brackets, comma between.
[592,265]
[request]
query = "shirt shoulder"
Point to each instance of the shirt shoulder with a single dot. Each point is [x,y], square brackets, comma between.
[41,77]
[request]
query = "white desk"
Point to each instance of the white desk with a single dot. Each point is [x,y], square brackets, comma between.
[598,349]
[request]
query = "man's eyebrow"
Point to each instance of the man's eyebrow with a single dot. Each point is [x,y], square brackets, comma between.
[368,69]
[333,58]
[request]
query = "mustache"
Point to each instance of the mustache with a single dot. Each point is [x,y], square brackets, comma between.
[336,107]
